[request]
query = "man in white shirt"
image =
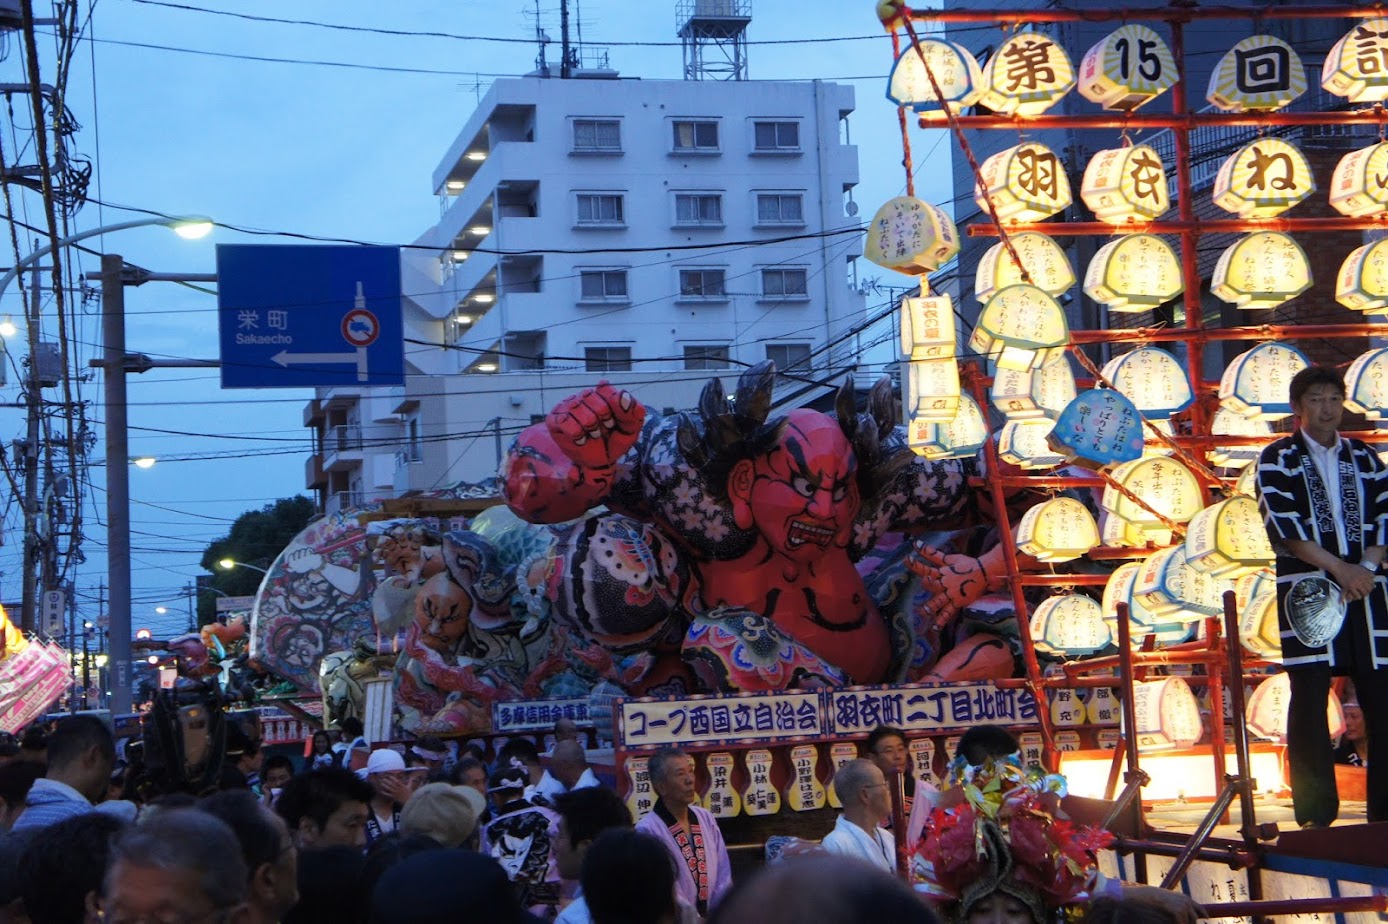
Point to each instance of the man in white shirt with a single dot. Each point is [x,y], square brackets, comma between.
[863,790]
[568,770]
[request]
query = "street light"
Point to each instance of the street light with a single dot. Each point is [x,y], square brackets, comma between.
[230,564]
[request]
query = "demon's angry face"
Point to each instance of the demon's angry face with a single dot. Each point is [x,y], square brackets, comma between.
[803,494]
[441,611]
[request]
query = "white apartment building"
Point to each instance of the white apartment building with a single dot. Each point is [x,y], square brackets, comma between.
[650,232]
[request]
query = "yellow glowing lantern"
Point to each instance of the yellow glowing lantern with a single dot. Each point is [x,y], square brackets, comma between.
[1057,530]
[1228,423]
[1142,621]
[1261,270]
[1126,184]
[1357,188]
[1227,539]
[1362,283]
[1024,183]
[1366,384]
[931,389]
[1261,73]
[1045,263]
[1268,708]
[911,236]
[1118,533]
[1011,393]
[956,71]
[1263,179]
[1167,714]
[1255,383]
[1172,590]
[1069,624]
[1127,69]
[1164,484]
[927,328]
[1247,483]
[1357,66]
[960,438]
[1153,380]
[1023,443]
[1053,386]
[1136,272]
[1258,629]
[1021,327]
[1027,75]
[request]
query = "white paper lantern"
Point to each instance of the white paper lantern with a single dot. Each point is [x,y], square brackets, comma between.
[1263,179]
[1127,69]
[1268,707]
[1025,183]
[1023,443]
[1227,539]
[1057,530]
[927,328]
[1136,272]
[1362,283]
[1046,265]
[1069,624]
[930,389]
[1142,621]
[1229,423]
[1172,590]
[955,70]
[1167,715]
[1261,73]
[1028,74]
[1153,380]
[1357,66]
[960,438]
[1164,484]
[911,236]
[1255,383]
[1261,270]
[1366,384]
[1021,328]
[1126,184]
[1355,187]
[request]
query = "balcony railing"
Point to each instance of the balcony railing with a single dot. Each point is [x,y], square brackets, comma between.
[407,454]
[342,500]
[344,438]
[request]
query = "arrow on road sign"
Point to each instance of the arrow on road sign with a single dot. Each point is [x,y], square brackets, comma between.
[356,357]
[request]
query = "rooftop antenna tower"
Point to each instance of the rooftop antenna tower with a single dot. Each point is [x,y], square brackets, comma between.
[713,34]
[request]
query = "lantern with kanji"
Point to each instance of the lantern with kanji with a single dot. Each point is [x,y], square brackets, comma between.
[1172,590]
[1167,715]
[1257,607]
[1262,73]
[1366,384]
[1362,283]
[1024,183]
[1023,443]
[1100,427]
[1021,327]
[931,389]
[1126,184]
[1045,263]
[1041,392]
[1261,270]
[1152,379]
[911,236]
[959,438]
[1170,492]
[1357,66]
[1057,530]
[1227,539]
[1356,187]
[1027,75]
[1228,423]
[955,70]
[1263,179]
[1127,69]
[1268,708]
[1136,272]
[1255,383]
[1142,621]
[927,327]
[1069,625]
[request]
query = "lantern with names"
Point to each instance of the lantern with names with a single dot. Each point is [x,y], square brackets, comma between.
[1023,443]
[1069,624]
[1356,187]
[911,236]
[1127,69]
[1013,393]
[1045,263]
[1262,73]
[1167,715]
[1172,590]
[1165,485]
[1027,75]
[1366,384]
[1261,270]
[1100,427]
[1228,540]
[1268,707]
[955,70]
[1021,327]
[1258,628]
[927,327]
[1057,530]
[1152,379]
[1024,183]
[1228,423]
[1142,621]
[958,439]
[1357,66]
[1263,179]
[1362,283]
[1255,383]
[1137,272]
[1126,184]
[930,389]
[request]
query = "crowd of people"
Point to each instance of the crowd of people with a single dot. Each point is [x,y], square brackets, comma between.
[430,835]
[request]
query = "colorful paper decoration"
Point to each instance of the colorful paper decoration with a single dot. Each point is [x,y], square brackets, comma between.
[1142,621]
[955,70]
[911,236]
[1262,73]
[1355,187]
[1167,714]
[1027,75]
[1366,384]
[1255,383]
[1023,443]
[1100,427]
[1172,590]
[1228,423]
[1126,184]
[1362,283]
[1021,327]
[1057,530]
[1357,66]
[1136,272]
[1069,624]
[1042,258]
[1127,69]
[960,438]
[1152,379]
[1268,707]
[927,328]
[930,389]
[1227,539]
[1261,270]
[1263,179]
[1025,183]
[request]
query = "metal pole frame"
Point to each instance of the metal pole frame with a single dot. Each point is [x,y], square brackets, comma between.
[117,477]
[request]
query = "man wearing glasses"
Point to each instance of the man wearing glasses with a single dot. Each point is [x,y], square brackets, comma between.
[866,799]
[886,747]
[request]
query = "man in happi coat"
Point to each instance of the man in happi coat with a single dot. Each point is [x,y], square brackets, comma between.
[1324,499]
[702,870]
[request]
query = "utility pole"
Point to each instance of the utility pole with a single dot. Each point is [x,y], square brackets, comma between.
[565,71]
[192,615]
[33,400]
[117,475]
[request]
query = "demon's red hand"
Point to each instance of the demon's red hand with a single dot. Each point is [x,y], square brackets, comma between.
[597,426]
[954,581]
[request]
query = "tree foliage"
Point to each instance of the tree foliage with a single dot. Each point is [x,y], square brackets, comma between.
[256,538]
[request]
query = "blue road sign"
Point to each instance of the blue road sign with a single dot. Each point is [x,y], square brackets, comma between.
[295,316]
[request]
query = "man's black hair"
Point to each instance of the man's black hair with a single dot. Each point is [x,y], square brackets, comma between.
[590,811]
[1312,376]
[463,765]
[627,877]
[881,732]
[319,793]
[74,736]
[16,777]
[261,842]
[276,762]
[62,863]
[522,749]
[984,741]
[329,887]
[351,728]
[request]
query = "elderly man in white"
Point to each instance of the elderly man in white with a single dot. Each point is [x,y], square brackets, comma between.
[862,789]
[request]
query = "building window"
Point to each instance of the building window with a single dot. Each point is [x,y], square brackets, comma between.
[707,356]
[776,137]
[607,359]
[602,285]
[695,137]
[789,357]
[698,209]
[597,136]
[780,209]
[784,284]
[702,284]
[601,209]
